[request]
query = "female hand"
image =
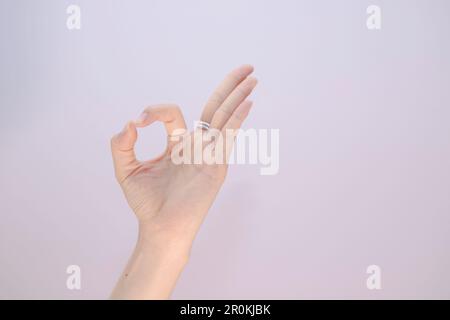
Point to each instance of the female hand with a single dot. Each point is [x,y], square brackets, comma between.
[171,200]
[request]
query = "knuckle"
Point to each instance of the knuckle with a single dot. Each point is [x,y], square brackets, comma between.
[243,90]
[238,116]
[113,141]
[216,97]
[225,112]
[234,77]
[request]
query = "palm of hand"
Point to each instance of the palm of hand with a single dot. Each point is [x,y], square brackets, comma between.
[168,194]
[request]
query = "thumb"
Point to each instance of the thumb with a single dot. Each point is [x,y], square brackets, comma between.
[122,147]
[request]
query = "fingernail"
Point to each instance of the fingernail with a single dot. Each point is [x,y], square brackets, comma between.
[142,117]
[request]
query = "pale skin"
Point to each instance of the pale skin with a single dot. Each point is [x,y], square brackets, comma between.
[171,201]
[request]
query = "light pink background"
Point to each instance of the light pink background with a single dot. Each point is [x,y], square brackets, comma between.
[364,144]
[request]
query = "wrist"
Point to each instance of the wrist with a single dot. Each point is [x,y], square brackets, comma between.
[154,267]
[172,247]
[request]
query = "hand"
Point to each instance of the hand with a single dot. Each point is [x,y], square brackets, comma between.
[171,200]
